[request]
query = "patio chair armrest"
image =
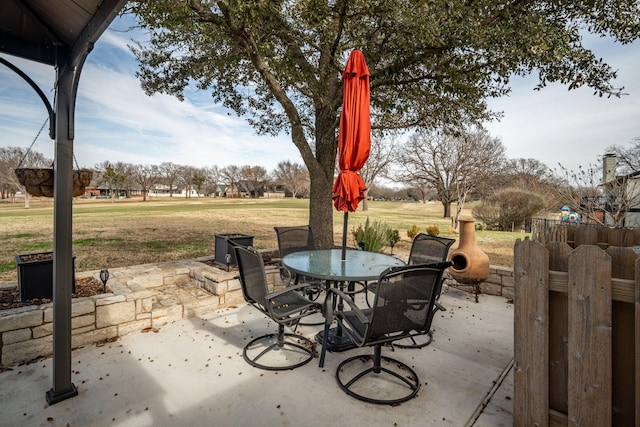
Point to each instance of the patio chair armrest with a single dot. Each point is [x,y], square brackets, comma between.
[345,298]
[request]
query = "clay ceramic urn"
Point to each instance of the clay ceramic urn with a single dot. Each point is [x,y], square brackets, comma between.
[470,263]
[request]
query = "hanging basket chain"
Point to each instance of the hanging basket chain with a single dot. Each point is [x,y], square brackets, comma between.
[40,181]
[33,142]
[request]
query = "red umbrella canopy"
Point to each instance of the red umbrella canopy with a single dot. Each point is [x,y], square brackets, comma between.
[354,135]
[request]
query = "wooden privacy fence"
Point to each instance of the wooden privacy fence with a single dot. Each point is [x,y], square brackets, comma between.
[577,329]
[588,234]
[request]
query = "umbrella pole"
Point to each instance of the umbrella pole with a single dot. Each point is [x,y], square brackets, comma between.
[344,235]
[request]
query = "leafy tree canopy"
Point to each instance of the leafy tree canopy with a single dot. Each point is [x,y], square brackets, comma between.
[433,63]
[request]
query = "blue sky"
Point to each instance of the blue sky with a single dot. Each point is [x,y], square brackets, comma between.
[116,121]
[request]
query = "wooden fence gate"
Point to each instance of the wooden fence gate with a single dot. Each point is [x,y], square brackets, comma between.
[577,328]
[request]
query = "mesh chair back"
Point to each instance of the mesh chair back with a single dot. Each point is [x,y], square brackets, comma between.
[403,301]
[252,277]
[427,249]
[294,239]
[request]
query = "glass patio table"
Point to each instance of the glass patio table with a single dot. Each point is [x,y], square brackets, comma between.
[327,265]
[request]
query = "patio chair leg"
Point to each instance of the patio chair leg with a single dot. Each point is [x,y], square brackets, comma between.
[323,351]
[398,371]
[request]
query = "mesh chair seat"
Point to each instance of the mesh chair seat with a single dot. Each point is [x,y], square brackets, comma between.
[403,300]
[426,249]
[276,351]
[288,304]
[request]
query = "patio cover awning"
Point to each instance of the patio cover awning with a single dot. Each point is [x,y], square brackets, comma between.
[60,33]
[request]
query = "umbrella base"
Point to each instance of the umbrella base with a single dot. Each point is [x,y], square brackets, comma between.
[336,341]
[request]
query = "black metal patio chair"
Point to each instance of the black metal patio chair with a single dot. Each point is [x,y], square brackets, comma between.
[403,301]
[427,249]
[278,351]
[295,239]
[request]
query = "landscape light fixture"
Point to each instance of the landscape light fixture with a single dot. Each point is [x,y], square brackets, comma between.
[104,276]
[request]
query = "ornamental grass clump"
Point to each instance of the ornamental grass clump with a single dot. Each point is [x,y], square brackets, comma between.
[374,235]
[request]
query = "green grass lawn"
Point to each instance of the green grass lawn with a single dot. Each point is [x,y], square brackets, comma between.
[130,232]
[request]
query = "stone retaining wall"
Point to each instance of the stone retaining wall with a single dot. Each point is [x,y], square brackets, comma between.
[140,299]
[146,297]
[500,282]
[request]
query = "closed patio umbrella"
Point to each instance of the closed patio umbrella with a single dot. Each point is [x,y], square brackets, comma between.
[354,139]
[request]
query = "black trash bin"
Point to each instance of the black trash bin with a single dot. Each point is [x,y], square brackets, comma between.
[35,275]
[223,247]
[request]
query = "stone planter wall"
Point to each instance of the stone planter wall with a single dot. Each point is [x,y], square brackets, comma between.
[500,282]
[141,299]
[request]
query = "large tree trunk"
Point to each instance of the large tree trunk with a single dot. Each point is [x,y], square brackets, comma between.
[447,209]
[364,206]
[321,211]
[321,163]
[321,173]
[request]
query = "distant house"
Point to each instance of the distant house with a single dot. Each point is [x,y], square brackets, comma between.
[97,189]
[620,190]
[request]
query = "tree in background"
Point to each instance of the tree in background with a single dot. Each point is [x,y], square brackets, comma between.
[169,175]
[146,177]
[213,179]
[381,157]
[232,174]
[580,190]
[433,64]
[253,179]
[189,178]
[12,158]
[113,175]
[526,174]
[294,176]
[585,192]
[628,158]
[198,180]
[454,165]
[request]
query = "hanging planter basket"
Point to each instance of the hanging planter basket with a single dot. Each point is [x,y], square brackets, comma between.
[39,182]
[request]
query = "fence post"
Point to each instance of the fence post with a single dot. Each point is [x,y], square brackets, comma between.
[589,357]
[637,338]
[531,344]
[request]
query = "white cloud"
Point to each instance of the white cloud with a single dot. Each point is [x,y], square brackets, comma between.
[112,107]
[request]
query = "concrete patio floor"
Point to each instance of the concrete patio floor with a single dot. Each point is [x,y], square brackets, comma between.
[191,372]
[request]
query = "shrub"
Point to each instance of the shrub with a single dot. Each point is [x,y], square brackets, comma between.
[375,235]
[394,235]
[433,230]
[480,226]
[413,232]
[509,208]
